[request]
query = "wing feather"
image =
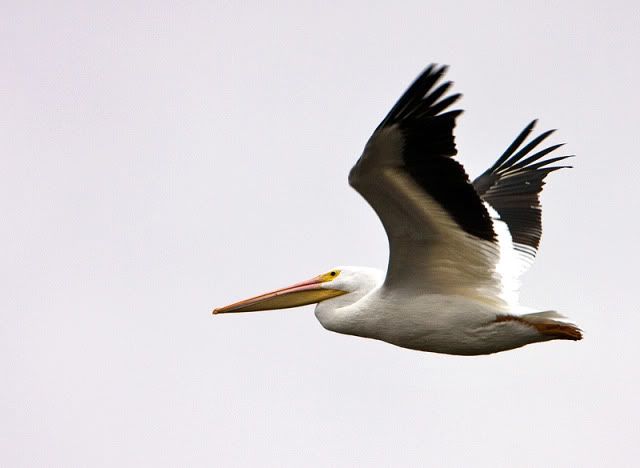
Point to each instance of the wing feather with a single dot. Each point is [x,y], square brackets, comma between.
[512,187]
[447,235]
[440,232]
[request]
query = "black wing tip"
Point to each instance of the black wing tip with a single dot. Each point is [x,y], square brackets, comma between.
[518,158]
[555,168]
[455,113]
[530,126]
[437,68]
[547,133]
[423,97]
[434,72]
[514,183]
[560,158]
[441,105]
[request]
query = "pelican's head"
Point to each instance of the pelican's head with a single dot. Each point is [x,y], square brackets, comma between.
[336,282]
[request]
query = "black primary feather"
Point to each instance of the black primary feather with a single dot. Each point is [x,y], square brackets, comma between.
[513,184]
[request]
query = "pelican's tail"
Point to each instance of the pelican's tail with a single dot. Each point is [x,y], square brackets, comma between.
[553,325]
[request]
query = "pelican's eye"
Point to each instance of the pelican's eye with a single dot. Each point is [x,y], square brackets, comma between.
[333,274]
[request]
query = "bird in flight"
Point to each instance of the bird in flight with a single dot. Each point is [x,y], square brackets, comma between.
[457,248]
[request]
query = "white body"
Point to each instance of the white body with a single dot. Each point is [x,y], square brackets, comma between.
[438,323]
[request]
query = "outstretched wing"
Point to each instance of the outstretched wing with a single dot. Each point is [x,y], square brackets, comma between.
[512,187]
[441,235]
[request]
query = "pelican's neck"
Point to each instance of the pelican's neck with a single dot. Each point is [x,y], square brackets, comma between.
[342,314]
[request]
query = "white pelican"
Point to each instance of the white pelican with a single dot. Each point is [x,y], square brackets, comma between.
[456,247]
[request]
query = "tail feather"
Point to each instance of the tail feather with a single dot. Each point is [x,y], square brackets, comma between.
[552,324]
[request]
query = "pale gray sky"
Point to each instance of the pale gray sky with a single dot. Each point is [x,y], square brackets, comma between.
[159,161]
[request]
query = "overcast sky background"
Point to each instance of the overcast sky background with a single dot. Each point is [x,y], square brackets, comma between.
[158,161]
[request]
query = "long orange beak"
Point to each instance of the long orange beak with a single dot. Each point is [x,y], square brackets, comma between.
[299,294]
